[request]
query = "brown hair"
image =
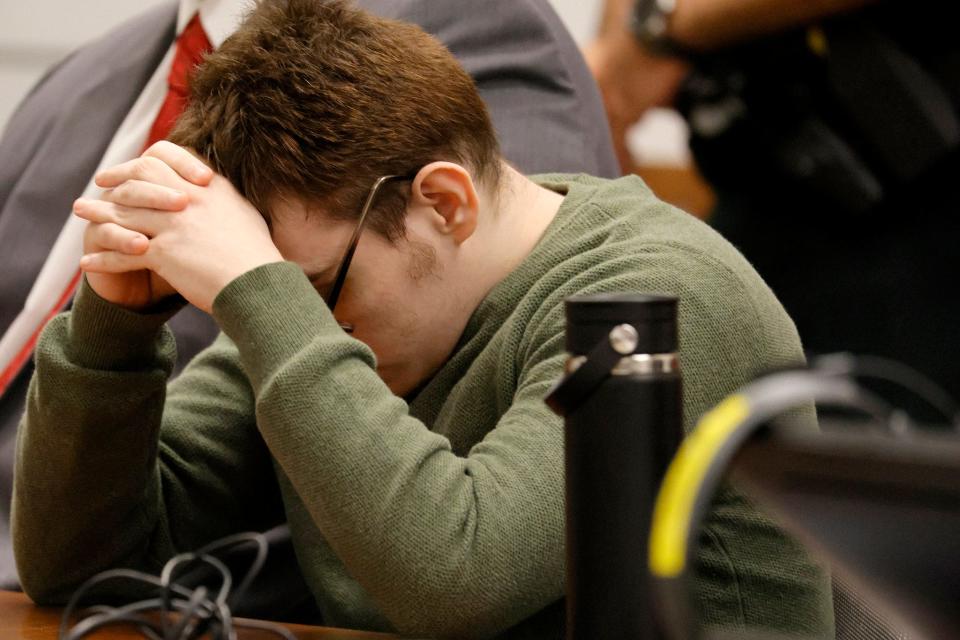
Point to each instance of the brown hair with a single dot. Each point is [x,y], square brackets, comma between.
[315,99]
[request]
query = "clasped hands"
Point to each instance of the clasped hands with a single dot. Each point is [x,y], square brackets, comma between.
[168,224]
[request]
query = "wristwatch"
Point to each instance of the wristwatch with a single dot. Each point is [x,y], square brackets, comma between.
[650,24]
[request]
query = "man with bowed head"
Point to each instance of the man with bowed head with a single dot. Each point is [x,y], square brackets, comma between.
[109,100]
[390,294]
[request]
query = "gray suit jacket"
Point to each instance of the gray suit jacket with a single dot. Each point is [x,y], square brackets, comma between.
[543,101]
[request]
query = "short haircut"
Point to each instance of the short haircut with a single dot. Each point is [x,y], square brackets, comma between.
[315,99]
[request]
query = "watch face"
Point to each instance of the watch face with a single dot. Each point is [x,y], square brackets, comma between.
[651,18]
[651,23]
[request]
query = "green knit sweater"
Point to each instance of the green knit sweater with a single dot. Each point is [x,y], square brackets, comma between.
[441,517]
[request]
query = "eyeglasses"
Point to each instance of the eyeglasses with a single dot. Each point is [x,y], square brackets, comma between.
[334,292]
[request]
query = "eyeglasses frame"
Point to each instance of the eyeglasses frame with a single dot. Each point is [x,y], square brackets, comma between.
[347,258]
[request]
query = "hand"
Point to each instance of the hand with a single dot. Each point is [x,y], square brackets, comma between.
[200,248]
[631,81]
[140,288]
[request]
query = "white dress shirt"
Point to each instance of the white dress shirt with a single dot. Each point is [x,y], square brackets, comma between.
[219,18]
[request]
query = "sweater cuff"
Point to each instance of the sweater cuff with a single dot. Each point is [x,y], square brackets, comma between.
[103,335]
[270,313]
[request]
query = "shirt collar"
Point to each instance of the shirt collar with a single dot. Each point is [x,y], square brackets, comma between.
[220,18]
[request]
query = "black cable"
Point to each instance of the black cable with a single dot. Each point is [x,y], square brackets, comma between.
[255,567]
[177,612]
[187,624]
[895,372]
[189,560]
[103,576]
[123,615]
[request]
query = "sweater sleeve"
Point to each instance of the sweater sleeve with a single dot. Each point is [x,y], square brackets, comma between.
[91,459]
[445,545]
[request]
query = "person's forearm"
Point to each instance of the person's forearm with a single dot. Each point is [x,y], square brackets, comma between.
[89,459]
[710,24]
[80,462]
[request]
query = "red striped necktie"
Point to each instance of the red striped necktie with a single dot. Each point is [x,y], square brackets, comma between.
[192,44]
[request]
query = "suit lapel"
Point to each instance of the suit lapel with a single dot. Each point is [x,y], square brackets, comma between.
[57,138]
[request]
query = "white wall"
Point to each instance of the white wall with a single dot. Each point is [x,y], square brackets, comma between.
[580,16]
[35,34]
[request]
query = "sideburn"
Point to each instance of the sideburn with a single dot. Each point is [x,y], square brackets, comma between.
[422,261]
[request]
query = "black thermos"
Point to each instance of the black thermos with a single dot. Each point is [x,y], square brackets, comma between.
[623,423]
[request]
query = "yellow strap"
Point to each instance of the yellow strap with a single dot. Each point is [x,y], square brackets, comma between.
[674,507]
[817,42]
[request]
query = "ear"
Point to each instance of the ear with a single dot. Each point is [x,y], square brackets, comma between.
[448,191]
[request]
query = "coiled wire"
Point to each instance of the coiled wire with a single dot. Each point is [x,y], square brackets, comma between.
[177,612]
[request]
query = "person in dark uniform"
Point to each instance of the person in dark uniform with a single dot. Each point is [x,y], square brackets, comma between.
[829,132]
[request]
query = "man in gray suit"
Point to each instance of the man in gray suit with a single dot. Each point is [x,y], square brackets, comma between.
[542,99]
